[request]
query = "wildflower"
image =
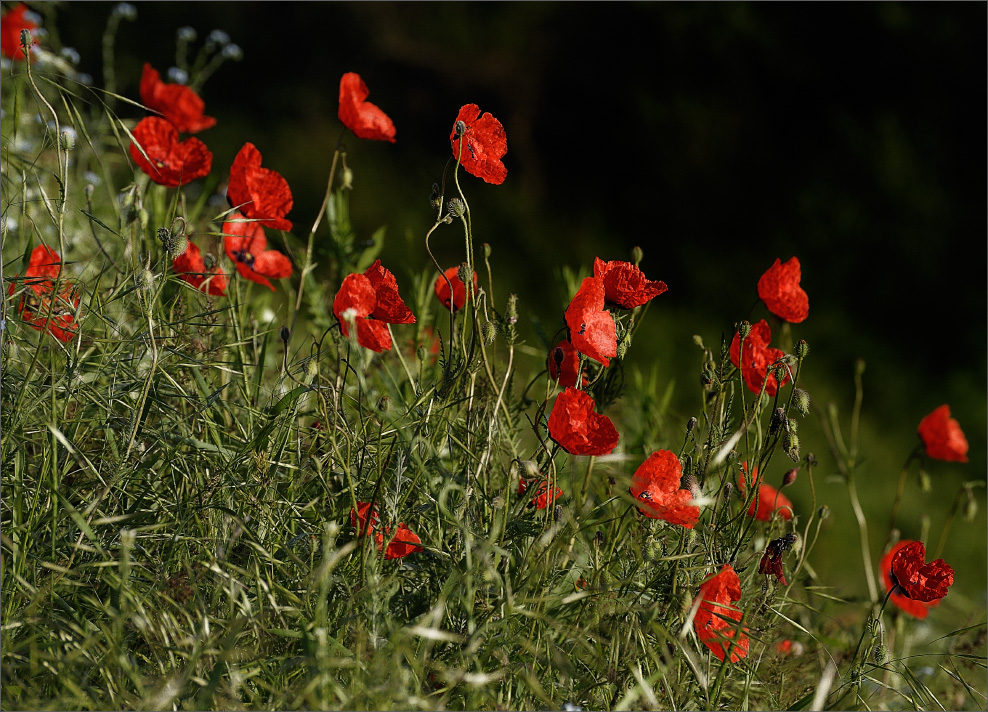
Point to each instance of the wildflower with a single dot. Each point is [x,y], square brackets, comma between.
[259,193]
[655,486]
[917,609]
[625,285]
[543,497]
[779,289]
[11,25]
[484,143]
[591,328]
[372,301]
[441,288]
[246,245]
[771,562]
[39,306]
[768,500]
[169,162]
[563,362]
[784,647]
[365,520]
[715,617]
[189,266]
[577,428]
[758,357]
[178,104]
[942,436]
[918,580]
[365,119]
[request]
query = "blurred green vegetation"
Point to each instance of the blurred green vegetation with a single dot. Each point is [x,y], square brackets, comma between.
[715,136]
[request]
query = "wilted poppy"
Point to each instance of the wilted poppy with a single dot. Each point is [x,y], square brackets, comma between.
[169,162]
[484,143]
[543,496]
[917,579]
[178,104]
[578,428]
[371,301]
[365,119]
[365,521]
[246,245]
[917,609]
[771,563]
[779,289]
[655,486]
[942,436]
[716,617]
[441,288]
[758,357]
[591,328]
[625,285]
[259,193]
[190,267]
[563,363]
[768,500]
[39,306]
[11,25]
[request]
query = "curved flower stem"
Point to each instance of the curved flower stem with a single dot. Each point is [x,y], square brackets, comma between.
[898,492]
[852,493]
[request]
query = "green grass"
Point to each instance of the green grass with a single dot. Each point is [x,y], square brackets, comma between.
[178,480]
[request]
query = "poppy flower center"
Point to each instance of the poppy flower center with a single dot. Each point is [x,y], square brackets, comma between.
[244,256]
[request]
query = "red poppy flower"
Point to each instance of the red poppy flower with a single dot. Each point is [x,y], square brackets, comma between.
[543,497]
[917,579]
[917,609]
[363,118]
[784,647]
[11,25]
[190,267]
[39,306]
[246,245]
[259,193]
[771,563]
[942,436]
[591,329]
[178,104]
[768,501]
[625,285]
[563,363]
[779,289]
[578,428]
[655,485]
[404,541]
[169,162]
[758,356]
[484,143]
[372,301]
[441,288]
[715,618]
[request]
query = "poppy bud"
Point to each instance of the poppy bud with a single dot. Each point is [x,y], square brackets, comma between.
[311,368]
[970,506]
[792,426]
[686,604]
[531,469]
[824,512]
[802,349]
[66,139]
[636,255]
[346,181]
[421,352]
[881,654]
[859,367]
[690,424]
[744,328]
[925,483]
[689,482]
[435,198]
[460,127]
[286,334]
[145,279]
[143,218]
[598,539]
[790,477]
[487,251]
[624,344]
[208,261]
[728,490]
[384,404]
[790,444]
[89,190]
[801,399]
[778,416]
[489,331]
[456,208]
[25,41]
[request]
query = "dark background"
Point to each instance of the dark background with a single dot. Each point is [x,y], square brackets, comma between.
[717,137]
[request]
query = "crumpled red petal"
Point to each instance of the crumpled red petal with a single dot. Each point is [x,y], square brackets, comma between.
[655,486]
[577,428]
[246,244]
[563,362]
[779,289]
[390,306]
[178,104]
[758,356]
[189,266]
[625,285]
[717,594]
[484,143]
[365,119]
[942,436]
[918,580]
[591,329]
[169,162]
[917,609]
[441,288]
[259,193]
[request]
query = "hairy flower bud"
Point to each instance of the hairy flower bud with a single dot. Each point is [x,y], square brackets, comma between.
[489,331]
[790,444]
[790,477]
[801,400]
[744,328]
[208,261]
[823,512]
[66,139]
[802,349]
[881,654]
[778,417]
[435,199]
[456,208]
[690,424]
[285,334]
